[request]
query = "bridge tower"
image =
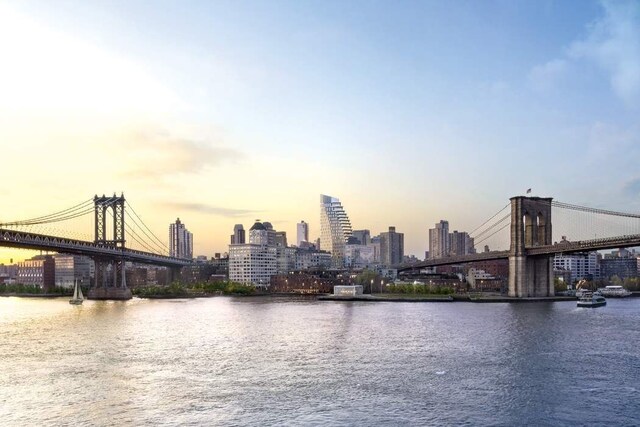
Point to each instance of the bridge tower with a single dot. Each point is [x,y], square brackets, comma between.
[530,276]
[103,288]
[102,206]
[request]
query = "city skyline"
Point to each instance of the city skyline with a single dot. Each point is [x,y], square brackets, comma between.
[181,110]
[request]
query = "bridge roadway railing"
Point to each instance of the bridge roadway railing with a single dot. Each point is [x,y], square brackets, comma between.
[26,240]
[482,256]
[586,245]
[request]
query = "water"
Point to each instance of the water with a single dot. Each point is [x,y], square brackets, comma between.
[295,361]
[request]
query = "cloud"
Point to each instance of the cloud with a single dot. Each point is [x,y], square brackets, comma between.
[544,77]
[208,209]
[156,153]
[613,43]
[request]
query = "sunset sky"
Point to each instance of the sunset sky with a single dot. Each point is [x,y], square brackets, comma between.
[221,112]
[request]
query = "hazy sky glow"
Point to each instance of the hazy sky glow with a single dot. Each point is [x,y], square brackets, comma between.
[409,112]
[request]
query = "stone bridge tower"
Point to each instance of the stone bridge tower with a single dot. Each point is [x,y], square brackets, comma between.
[530,276]
[115,286]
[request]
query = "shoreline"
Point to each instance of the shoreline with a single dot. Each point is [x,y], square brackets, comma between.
[330,297]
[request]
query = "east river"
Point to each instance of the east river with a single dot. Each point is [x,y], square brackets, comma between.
[296,361]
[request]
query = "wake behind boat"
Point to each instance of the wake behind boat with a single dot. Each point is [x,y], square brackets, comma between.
[591,299]
[77,295]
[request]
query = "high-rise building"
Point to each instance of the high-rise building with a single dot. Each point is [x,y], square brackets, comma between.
[391,247]
[363,236]
[258,234]
[180,241]
[375,242]
[281,239]
[252,263]
[335,229]
[439,240]
[460,243]
[271,233]
[302,233]
[238,236]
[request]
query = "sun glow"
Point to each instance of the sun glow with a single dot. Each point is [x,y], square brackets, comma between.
[47,71]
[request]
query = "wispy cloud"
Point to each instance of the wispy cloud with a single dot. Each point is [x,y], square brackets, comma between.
[209,209]
[545,76]
[155,153]
[613,43]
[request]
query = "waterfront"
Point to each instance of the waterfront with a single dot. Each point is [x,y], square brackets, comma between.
[298,361]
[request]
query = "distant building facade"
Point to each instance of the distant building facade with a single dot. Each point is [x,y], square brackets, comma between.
[335,229]
[439,240]
[39,270]
[580,265]
[302,233]
[363,236]
[180,241]
[238,236]
[72,268]
[391,247]
[621,267]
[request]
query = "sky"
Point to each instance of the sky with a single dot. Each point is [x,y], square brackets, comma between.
[223,112]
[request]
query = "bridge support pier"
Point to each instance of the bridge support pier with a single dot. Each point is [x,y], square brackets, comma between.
[530,276]
[101,290]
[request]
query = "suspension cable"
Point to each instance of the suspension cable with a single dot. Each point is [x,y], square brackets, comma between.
[592,210]
[495,215]
[57,216]
[163,244]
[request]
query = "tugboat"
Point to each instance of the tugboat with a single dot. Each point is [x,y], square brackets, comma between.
[591,299]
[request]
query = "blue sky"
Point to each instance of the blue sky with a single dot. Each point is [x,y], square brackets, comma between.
[409,112]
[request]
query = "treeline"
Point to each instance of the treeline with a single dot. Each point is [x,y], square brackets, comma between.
[178,289]
[419,289]
[20,288]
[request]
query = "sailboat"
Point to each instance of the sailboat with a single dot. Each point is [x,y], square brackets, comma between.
[77,295]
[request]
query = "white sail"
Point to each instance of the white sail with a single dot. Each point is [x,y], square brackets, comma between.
[80,297]
[75,291]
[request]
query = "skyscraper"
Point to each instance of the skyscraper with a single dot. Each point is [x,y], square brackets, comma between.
[391,247]
[460,243]
[335,229]
[281,239]
[439,240]
[303,233]
[363,236]
[180,241]
[238,236]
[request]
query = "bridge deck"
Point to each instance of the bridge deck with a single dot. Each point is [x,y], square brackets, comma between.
[25,240]
[558,248]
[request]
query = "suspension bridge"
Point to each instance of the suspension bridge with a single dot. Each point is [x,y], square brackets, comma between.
[523,232]
[110,248]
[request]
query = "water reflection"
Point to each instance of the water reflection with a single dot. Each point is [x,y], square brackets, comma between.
[257,361]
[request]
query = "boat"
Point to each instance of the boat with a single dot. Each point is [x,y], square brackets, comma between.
[77,295]
[615,291]
[591,299]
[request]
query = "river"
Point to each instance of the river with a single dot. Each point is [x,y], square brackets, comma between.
[297,361]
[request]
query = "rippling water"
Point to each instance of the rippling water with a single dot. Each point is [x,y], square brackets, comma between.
[288,361]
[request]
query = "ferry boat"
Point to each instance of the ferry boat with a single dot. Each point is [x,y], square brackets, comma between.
[615,291]
[591,299]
